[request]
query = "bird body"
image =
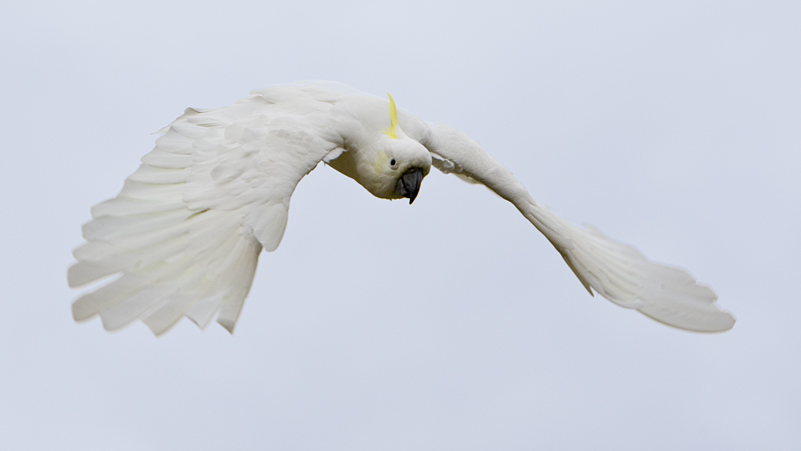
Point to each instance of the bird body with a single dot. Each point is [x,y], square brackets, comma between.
[184,235]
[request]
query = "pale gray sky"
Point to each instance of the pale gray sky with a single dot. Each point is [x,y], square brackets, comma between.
[672,126]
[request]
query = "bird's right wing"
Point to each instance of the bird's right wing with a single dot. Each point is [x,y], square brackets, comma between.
[184,235]
[618,272]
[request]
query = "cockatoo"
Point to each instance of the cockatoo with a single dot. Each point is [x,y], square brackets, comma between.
[185,233]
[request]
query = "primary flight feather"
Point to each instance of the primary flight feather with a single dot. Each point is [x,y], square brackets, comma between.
[184,235]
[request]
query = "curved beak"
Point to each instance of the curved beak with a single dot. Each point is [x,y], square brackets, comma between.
[409,183]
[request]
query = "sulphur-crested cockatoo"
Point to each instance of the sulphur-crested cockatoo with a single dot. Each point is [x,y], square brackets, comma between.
[185,233]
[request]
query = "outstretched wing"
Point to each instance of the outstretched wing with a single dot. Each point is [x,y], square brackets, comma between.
[617,271]
[184,235]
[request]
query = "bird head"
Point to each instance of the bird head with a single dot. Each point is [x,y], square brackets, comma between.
[401,162]
[385,161]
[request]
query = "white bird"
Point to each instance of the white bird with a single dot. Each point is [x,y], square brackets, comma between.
[184,235]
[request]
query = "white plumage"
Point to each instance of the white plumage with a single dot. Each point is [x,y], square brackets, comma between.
[184,235]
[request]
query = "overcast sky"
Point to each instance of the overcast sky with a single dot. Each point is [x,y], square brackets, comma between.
[451,323]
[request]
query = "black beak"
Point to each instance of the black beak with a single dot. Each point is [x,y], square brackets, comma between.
[409,183]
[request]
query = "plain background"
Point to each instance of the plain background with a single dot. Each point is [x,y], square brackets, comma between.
[450,324]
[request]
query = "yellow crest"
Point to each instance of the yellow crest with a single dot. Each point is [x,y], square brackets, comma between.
[393,116]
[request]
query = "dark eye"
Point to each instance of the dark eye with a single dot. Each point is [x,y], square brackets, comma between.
[392,162]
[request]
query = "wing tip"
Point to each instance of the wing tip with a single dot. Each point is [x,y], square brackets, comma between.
[227,325]
[715,322]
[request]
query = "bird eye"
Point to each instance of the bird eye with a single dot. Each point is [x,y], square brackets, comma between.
[393,164]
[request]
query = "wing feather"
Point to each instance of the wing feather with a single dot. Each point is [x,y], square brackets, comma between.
[184,235]
[616,271]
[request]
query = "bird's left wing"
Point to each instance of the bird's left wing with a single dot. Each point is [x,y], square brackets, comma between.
[184,235]
[617,271]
